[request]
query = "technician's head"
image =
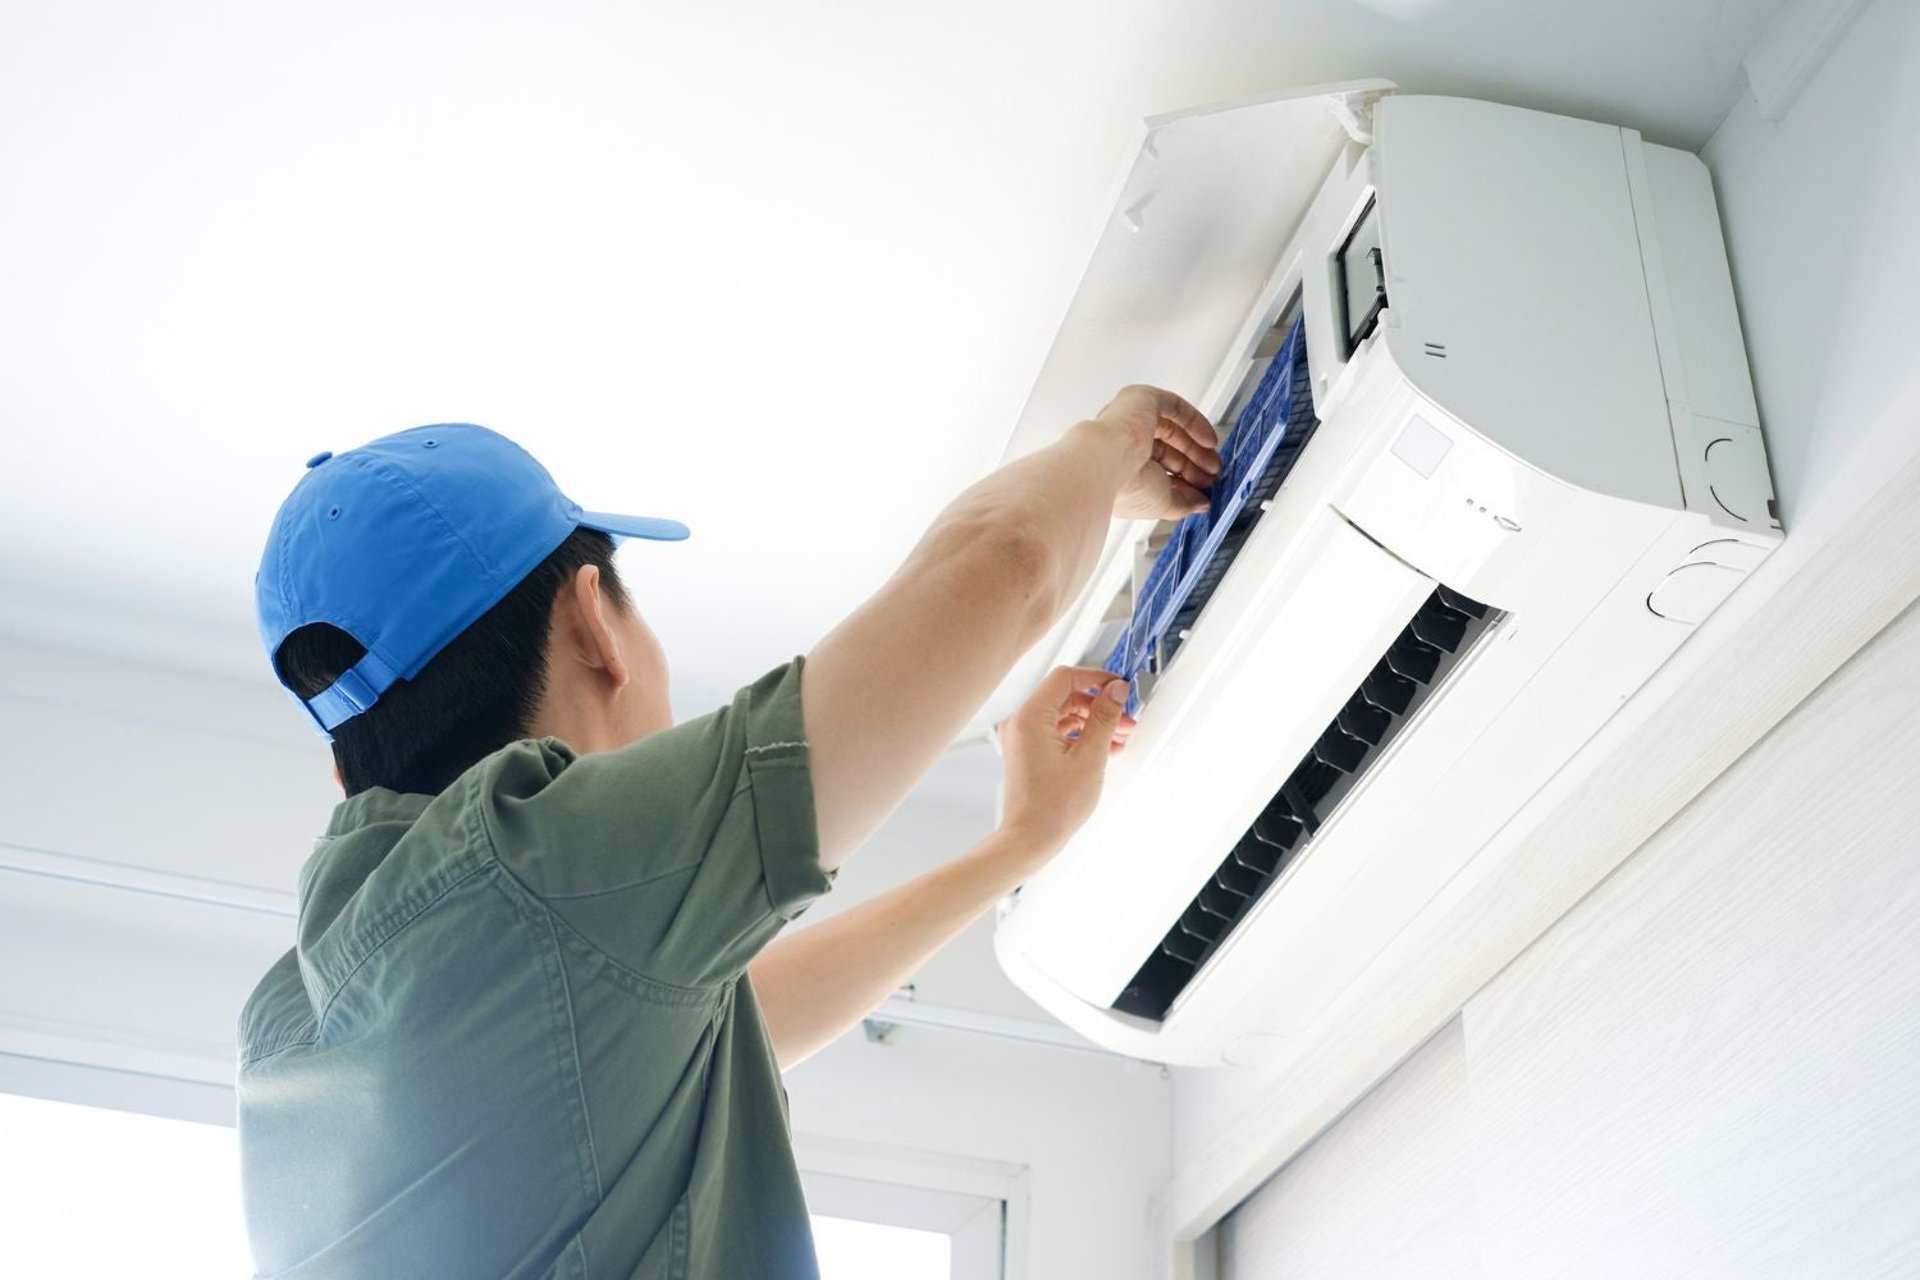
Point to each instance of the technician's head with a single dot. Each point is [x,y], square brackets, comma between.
[432,596]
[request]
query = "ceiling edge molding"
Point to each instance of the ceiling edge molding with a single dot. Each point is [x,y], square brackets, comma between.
[125,877]
[1792,49]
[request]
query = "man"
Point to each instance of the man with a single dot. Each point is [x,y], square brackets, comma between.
[533,1025]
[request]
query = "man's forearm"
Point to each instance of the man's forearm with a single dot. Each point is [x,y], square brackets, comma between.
[1062,496]
[818,982]
[888,689]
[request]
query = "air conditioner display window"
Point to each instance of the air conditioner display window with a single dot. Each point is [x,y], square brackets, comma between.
[1361,268]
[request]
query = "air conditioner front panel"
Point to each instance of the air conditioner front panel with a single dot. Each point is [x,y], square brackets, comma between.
[1513,231]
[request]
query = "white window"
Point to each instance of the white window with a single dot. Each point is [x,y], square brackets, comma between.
[940,1218]
[884,1231]
[91,1193]
[850,1249]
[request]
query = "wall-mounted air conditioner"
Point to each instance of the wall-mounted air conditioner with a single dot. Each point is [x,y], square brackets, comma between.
[1493,454]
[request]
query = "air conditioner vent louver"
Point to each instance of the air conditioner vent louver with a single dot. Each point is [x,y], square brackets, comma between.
[1446,627]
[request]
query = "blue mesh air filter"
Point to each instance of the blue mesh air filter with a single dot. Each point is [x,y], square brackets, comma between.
[1259,450]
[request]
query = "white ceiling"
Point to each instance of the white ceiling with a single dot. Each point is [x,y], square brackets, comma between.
[783,270]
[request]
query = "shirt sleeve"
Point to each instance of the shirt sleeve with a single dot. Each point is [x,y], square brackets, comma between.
[678,856]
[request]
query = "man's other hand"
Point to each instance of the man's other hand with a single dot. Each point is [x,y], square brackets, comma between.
[1056,748]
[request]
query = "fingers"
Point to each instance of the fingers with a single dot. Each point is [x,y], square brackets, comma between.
[1079,704]
[1186,444]
[1104,716]
[1184,456]
[1099,705]
[1073,722]
[1185,431]
[1071,696]
[1044,711]
[1174,412]
[1188,420]
[1179,468]
[1116,742]
[1061,683]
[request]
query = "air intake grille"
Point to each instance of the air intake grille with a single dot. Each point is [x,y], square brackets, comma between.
[1414,665]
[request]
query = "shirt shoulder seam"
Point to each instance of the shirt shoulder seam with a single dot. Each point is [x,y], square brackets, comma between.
[646,987]
[642,985]
[304,1036]
[486,832]
[399,924]
[598,893]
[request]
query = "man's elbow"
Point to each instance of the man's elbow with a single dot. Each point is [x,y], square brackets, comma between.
[1011,558]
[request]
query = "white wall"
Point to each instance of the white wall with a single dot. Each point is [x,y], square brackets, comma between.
[1704,1070]
[1707,1069]
[1386,1194]
[152,824]
[1821,211]
[1822,217]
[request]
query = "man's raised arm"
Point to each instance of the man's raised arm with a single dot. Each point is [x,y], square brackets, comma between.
[886,691]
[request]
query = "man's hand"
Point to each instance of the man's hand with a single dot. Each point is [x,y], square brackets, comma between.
[1177,448]
[816,983]
[1056,747]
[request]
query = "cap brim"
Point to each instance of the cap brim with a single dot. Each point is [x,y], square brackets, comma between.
[650,527]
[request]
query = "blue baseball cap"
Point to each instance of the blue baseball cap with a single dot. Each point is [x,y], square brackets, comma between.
[405,542]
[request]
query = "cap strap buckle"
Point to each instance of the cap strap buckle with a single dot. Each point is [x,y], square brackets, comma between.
[358,688]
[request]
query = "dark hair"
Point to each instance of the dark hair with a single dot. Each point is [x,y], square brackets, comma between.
[475,696]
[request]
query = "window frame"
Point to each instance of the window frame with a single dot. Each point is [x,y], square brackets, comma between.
[981,1204]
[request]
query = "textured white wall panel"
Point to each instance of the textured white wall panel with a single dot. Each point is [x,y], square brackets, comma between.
[1380,1195]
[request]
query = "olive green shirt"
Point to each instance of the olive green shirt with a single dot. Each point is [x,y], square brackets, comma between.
[515,1039]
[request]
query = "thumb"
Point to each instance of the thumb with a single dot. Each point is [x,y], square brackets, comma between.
[1104,716]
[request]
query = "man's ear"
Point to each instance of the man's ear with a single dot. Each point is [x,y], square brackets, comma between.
[338,780]
[586,615]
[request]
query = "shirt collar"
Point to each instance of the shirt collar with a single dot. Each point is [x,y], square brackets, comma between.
[376,805]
